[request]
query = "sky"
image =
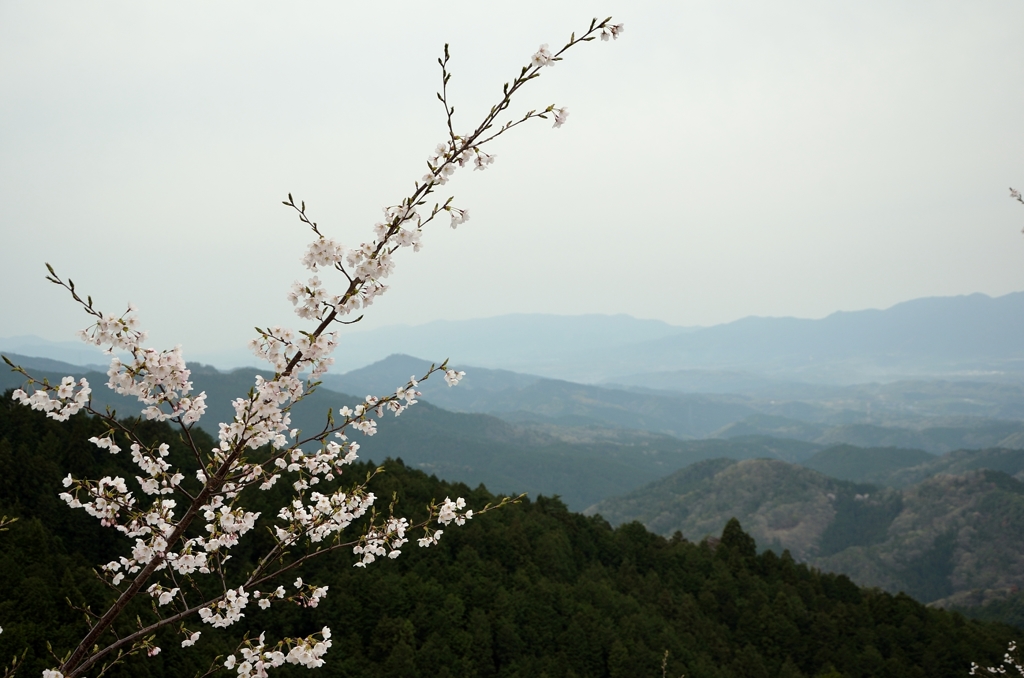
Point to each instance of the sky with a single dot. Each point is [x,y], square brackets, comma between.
[721,159]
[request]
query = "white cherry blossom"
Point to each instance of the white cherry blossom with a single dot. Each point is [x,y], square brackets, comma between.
[542,57]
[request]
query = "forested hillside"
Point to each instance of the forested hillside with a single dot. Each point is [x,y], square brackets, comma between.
[530,590]
[949,539]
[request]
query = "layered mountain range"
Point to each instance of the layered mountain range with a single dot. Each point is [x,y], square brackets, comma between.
[966,336]
[973,336]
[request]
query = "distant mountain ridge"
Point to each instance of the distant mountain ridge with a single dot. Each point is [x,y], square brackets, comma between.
[581,442]
[76,353]
[930,335]
[519,397]
[972,336]
[961,336]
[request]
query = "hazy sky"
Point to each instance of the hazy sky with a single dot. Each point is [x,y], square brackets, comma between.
[721,159]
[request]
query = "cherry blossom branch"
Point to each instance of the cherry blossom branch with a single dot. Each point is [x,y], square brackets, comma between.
[456,151]
[258,446]
[74,664]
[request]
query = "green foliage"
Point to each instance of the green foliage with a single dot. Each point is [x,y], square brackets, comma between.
[530,590]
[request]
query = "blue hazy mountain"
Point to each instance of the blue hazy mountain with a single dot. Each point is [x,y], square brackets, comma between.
[66,352]
[965,335]
[528,343]
[973,336]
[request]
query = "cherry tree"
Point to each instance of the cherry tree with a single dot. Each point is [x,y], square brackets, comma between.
[183,538]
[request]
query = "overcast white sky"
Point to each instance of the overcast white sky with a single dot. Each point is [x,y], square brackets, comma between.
[721,159]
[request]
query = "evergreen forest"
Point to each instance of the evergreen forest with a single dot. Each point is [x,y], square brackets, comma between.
[531,590]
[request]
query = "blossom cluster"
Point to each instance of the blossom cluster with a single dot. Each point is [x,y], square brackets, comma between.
[163,595]
[324,516]
[449,511]
[612,31]
[255,658]
[158,378]
[451,155]
[386,540]
[309,595]
[227,610]
[114,332]
[261,418]
[452,378]
[68,400]
[264,599]
[281,348]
